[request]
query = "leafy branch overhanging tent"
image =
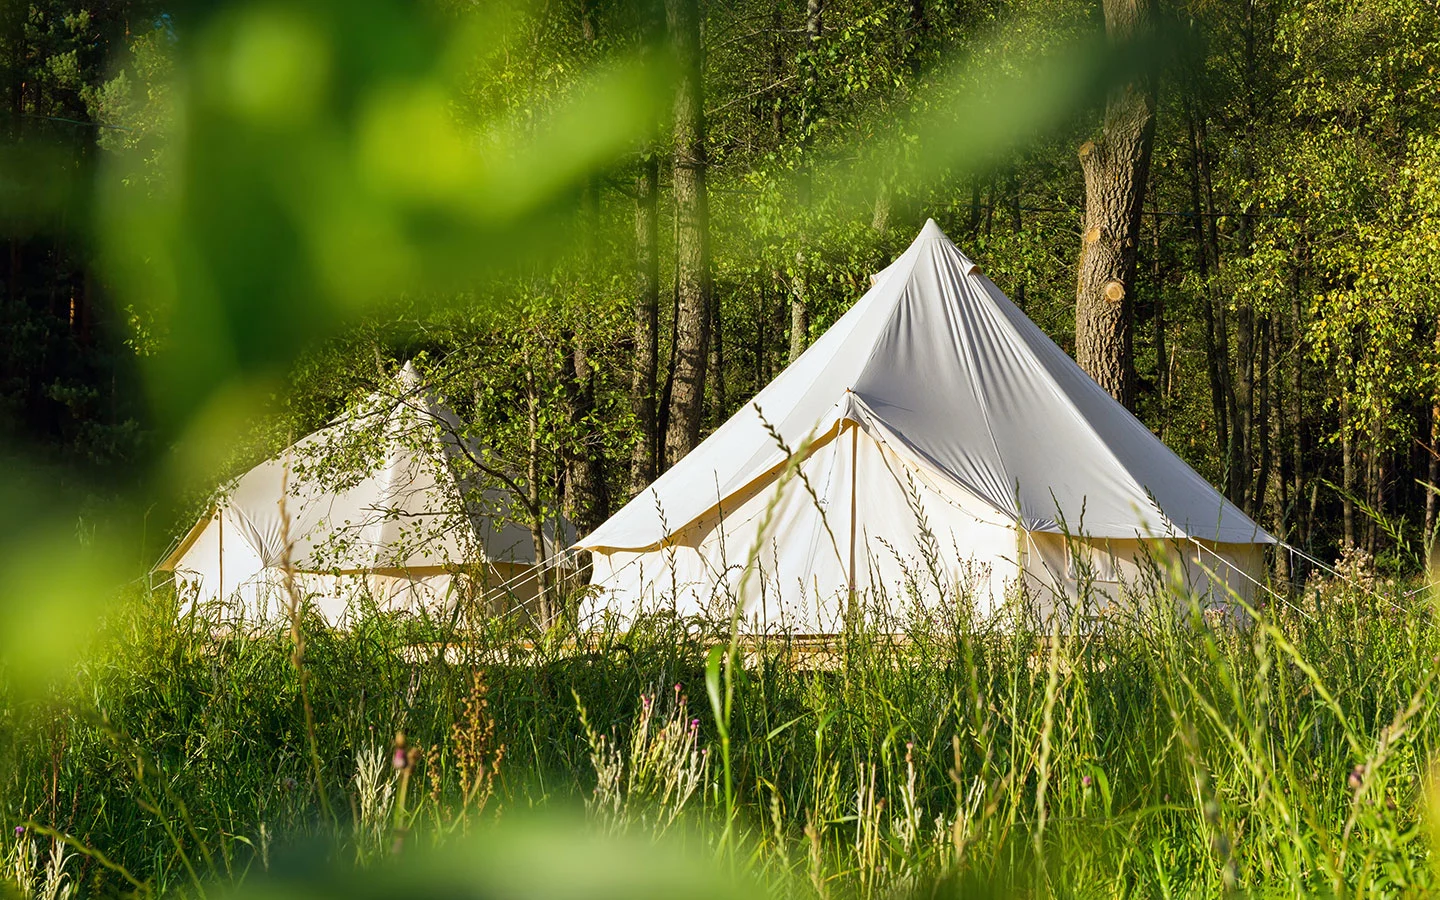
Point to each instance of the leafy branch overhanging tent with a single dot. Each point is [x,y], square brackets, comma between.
[391,503]
[933,441]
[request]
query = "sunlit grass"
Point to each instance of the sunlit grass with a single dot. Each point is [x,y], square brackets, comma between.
[1287,756]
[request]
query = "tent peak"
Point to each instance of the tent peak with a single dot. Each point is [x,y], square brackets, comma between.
[933,232]
[408,379]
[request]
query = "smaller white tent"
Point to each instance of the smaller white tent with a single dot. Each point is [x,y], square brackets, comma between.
[384,506]
[932,444]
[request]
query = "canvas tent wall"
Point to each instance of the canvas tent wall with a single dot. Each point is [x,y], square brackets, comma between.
[384,506]
[933,443]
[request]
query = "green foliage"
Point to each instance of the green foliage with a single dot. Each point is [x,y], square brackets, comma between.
[1285,757]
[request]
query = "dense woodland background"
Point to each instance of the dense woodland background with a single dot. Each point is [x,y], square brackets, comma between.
[1269,168]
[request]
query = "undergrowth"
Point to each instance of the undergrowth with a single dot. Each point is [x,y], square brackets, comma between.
[1286,754]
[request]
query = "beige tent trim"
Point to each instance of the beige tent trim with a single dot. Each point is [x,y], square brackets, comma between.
[168,563]
[746,490]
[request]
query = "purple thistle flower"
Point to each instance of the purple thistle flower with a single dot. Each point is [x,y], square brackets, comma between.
[19,830]
[399,761]
[1086,781]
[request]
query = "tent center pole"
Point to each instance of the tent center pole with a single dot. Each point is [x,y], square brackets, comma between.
[854,465]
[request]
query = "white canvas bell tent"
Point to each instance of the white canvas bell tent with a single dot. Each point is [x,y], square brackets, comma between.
[384,505]
[932,442]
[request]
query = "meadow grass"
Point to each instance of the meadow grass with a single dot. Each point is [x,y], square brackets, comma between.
[1285,755]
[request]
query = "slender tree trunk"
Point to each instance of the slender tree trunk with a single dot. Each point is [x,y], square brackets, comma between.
[777,71]
[545,611]
[1263,422]
[692,251]
[1283,518]
[1296,359]
[1222,327]
[643,467]
[1347,467]
[1432,480]
[1214,363]
[1162,387]
[973,228]
[717,363]
[586,499]
[799,310]
[1242,426]
[1015,190]
[1432,477]
[805,186]
[1115,167]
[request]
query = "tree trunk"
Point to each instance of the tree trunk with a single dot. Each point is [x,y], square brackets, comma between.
[585,496]
[1115,168]
[1242,426]
[692,250]
[805,186]
[1222,327]
[717,363]
[647,325]
[799,310]
[1296,361]
[1162,387]
[1347,467]
[1014,190]
[1263,424]
[586,500]
[1214,363]
[1432,479]
[545,613]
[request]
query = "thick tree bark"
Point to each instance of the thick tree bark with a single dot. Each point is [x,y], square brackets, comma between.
[643,468]
[692,250]
[1115,167]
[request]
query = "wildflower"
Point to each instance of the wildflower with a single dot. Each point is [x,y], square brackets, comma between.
[19,830]
[401,759]
[1086,781]
[1356,777]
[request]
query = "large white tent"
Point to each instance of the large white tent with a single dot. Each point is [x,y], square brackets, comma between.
[933,444]
[388,505]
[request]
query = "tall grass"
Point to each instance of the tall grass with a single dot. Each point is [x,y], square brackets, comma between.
[1287,755]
